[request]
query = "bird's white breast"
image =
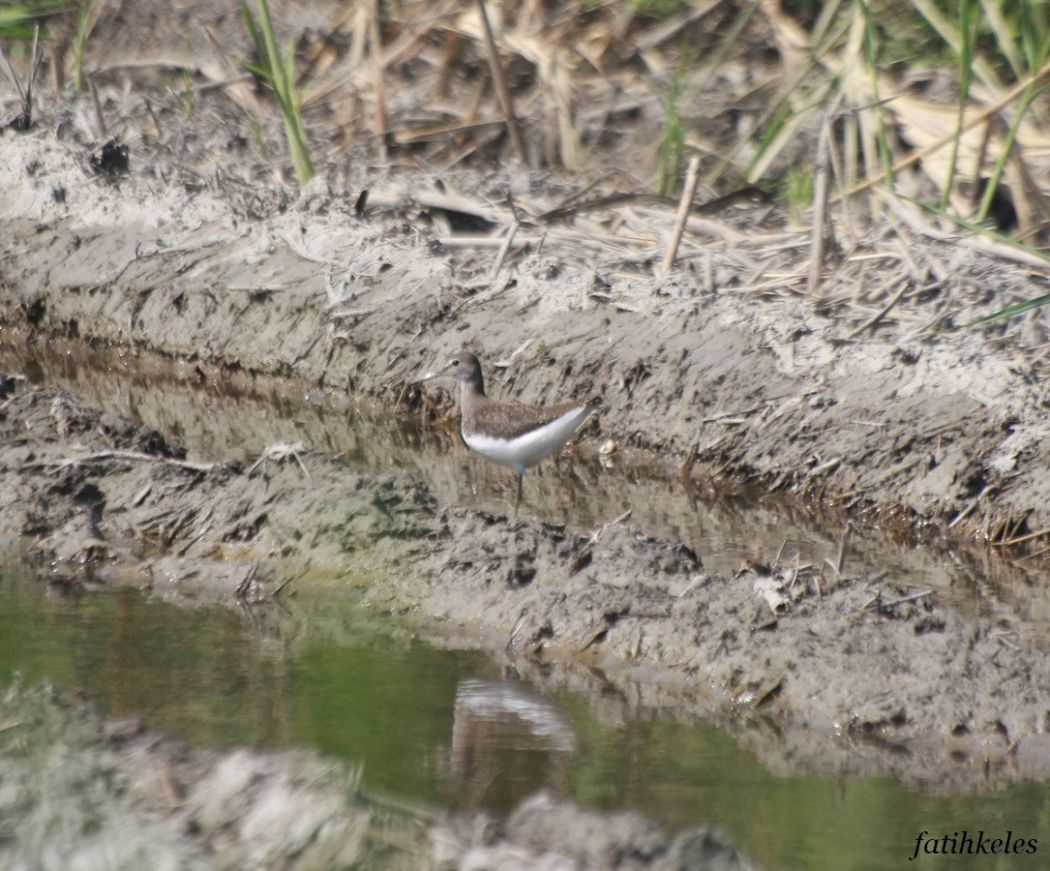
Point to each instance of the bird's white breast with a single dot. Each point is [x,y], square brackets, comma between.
[526,450]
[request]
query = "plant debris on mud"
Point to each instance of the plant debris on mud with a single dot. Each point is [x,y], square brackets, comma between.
[154,213]
[100,499]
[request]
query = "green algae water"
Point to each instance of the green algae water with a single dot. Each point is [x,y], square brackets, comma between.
[444,729]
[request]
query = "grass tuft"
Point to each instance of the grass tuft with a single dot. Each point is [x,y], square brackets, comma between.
[968,22]
[18,20]
[80,36]
[672,141]
[279,74]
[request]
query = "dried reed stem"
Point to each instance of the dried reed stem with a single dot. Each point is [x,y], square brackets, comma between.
[885,310]
[840,560]
[982,116]
[103,130]
[692,176]
[500,83]
[821,219]
[504,249]
[374,39]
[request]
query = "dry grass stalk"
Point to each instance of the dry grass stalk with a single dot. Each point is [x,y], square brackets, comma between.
[24,120]
[904,286]
[1010,542]
[500,83]
[379,91]
[1011,96]
[692,176]
[103,130]
[821,218]
[504,249]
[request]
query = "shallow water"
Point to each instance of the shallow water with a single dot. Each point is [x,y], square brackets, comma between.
[442,728]
[217,422]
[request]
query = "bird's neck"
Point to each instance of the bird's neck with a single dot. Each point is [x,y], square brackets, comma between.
[471,393]
[474,386]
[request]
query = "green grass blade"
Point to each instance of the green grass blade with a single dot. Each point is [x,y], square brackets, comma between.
[1003,313]
[79,41]
[253,32]
[672,141]
[279,73]
[1004,155]
[17,20]
[967,26]
[871,56]
[257,70]
[1035,40]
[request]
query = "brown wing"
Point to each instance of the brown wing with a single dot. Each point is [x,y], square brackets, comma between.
[510,420]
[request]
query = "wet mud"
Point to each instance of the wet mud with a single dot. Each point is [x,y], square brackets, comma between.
[831,666]
[925,690]
[220,421]
[85,792]
[943,430]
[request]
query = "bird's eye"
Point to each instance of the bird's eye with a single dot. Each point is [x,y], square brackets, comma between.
[454,362]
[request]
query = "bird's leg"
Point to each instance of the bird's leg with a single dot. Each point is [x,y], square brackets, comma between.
[517,502]
[471,483]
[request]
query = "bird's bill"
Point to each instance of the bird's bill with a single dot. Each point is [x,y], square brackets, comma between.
[429,376]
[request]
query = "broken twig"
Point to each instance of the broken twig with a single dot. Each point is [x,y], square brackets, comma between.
[124,455]
[692,176]
[500,83]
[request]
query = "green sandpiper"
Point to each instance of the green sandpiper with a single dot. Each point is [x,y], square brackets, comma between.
[518,436]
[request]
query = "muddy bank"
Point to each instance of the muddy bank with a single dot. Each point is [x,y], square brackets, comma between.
[728,526]
[841,659]
[84,792]
[712,366]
